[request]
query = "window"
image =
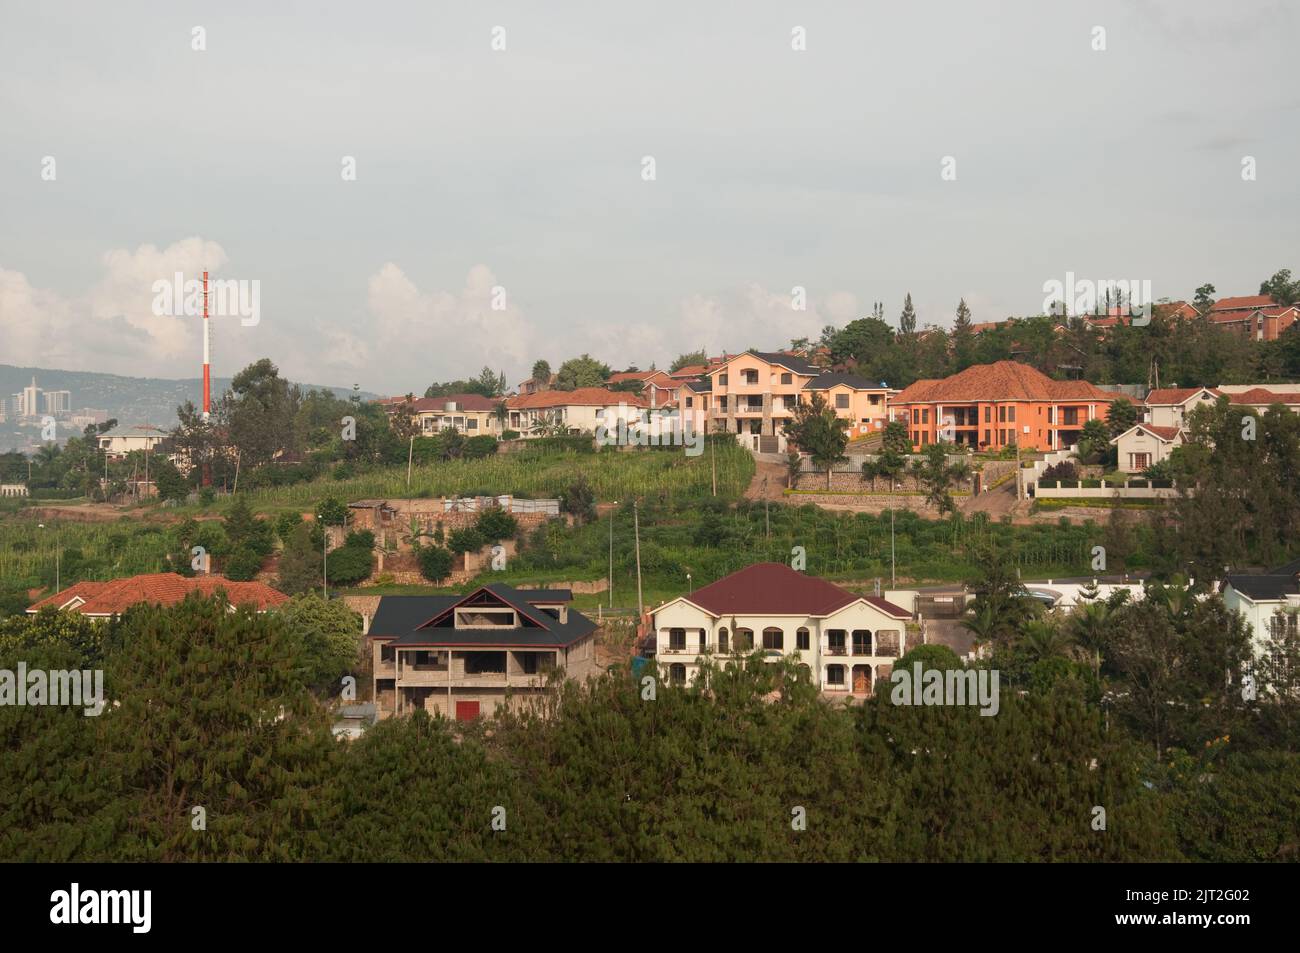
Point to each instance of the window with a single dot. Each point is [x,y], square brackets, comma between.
[676,640]
[916,416]
[875,399]
[842,401]
[801,640]
[1139,461]
[471,423]
[704,639]
[787,378]
[835,642]
[386,653]
[861,642]
[528,661]
[690,401]
[722,641]
[773,640]
[677,673]
[988,434]
[722,404]
[750,376]
[925,415]
[1011,415]
[988,413]
[722,379]
[834,674]
[1002,415]
[744,640]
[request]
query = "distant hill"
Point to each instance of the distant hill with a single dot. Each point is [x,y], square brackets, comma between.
[132,400]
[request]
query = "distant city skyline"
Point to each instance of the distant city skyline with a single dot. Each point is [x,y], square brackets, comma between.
[501,212]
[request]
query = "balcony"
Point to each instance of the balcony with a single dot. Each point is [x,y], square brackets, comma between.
[743,410]
[676,650]
[837,650]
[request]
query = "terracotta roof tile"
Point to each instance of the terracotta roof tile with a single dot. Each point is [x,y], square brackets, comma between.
[1168,396]
[1003,380]
[776,589]
[1245,302]
[582,396]
[163,588]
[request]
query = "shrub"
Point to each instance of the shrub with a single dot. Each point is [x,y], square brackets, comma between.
[467,540]
[242,564]
[331,511]
[349,564]
[495,524]
[435,563]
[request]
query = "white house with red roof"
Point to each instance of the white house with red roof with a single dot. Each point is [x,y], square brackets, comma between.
[846,641]
[1145,445]
[104,600]
[1171,406]
[574,411]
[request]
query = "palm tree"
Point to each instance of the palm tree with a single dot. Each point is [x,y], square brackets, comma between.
[414,533]
[1043,639]
[983,624]
[1090,627]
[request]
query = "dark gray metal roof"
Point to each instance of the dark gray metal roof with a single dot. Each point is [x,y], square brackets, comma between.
[827,381]
[1268,586]
[405,619]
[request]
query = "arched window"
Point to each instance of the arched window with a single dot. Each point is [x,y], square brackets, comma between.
[802,641]
[704,639]
[677,673]
[744,640]
[722,641]
[773,639]
[676,640]
[861,642]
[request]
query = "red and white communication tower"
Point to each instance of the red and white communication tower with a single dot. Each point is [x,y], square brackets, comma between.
[207,353]
[207,373]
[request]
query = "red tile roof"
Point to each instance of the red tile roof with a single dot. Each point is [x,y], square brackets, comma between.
[582,396]
[1246,302]
[439,404]
[165,588]
[1003,380]
[1169,396]
[1261,395]
[690,370]
[630,376]
[776,589]
[1164,433]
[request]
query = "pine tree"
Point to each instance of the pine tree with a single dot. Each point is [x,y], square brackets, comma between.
[963,338]
[907,320]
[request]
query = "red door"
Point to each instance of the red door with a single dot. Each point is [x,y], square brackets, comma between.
[466,711]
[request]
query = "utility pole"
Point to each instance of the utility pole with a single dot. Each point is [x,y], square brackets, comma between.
[713,462]
[636,529]
[893,577]
[611,556]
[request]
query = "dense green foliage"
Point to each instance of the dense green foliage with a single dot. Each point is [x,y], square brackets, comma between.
[216,710]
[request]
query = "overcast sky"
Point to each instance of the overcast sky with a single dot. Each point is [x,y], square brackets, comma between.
[523,169]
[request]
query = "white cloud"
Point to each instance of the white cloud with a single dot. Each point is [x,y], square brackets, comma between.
[423,336]
[111,326]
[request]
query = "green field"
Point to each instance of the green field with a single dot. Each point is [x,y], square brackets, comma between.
[612,474]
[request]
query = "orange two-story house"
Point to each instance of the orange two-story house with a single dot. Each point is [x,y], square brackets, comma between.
[991,406]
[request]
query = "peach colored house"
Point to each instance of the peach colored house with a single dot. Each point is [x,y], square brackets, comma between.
[991,406]
[754,395]
[863,406]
